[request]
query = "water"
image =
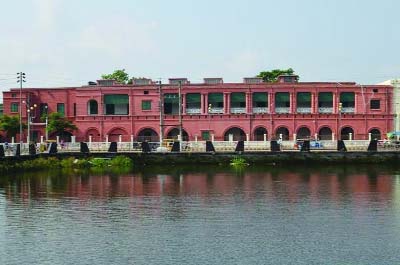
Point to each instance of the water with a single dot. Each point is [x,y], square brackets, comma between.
[272,215]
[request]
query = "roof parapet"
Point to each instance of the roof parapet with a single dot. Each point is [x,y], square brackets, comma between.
[176,81]
[252,80]
[213,80]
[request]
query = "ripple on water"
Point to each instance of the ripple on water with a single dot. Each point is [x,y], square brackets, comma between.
[202,219]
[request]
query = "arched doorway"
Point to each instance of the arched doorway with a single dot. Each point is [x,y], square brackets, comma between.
[95,135]
[303,133]
[345,133]
[284,131]
[259,134]
[64,136]
[173,134]
[325,133]
[148,135]
[375,134]
[237,134]
[113,135]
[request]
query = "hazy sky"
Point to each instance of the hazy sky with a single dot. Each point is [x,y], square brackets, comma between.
[63,43]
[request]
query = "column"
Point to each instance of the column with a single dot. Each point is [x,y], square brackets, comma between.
[313,102]
[335,103]
[271,101]
[202,104]
[183,103]
[293,102]
[248,103]
[227,103]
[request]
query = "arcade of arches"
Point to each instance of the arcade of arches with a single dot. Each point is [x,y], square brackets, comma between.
[235,134]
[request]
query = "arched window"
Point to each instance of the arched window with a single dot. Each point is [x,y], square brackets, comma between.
[93,108]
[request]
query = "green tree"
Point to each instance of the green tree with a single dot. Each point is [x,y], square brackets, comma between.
[119,75]
[58,124]
[272,76]
[10,125]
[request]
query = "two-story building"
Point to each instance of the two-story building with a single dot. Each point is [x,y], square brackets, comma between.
[253,110]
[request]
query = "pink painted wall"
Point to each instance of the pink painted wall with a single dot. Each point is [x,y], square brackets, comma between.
[361,121]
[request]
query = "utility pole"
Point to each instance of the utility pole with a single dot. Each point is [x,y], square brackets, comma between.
[180,115]
[21,79]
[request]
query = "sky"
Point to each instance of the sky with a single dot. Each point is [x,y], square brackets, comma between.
[70,42]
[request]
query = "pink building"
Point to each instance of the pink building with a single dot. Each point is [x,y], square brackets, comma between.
[252,109]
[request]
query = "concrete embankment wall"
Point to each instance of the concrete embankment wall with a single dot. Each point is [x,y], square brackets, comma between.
[224,158]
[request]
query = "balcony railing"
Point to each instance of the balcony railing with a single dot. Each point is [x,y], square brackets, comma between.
[193,111]
[216,110]
[325,110]
[303,110]
[282,110]
[238,110]
[348,110]
[260,110]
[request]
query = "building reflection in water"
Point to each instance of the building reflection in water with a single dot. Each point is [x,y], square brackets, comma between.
[269,185]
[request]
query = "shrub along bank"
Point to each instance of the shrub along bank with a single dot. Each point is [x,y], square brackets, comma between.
[115,164]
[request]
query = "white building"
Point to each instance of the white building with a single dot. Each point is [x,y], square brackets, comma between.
[396,101]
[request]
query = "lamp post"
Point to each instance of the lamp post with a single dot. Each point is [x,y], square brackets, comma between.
[340,120]
[46,122]
[209,120]
[161,106]
[180,115]
[29,110]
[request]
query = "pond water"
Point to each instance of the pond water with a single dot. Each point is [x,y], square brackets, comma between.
[203,215]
